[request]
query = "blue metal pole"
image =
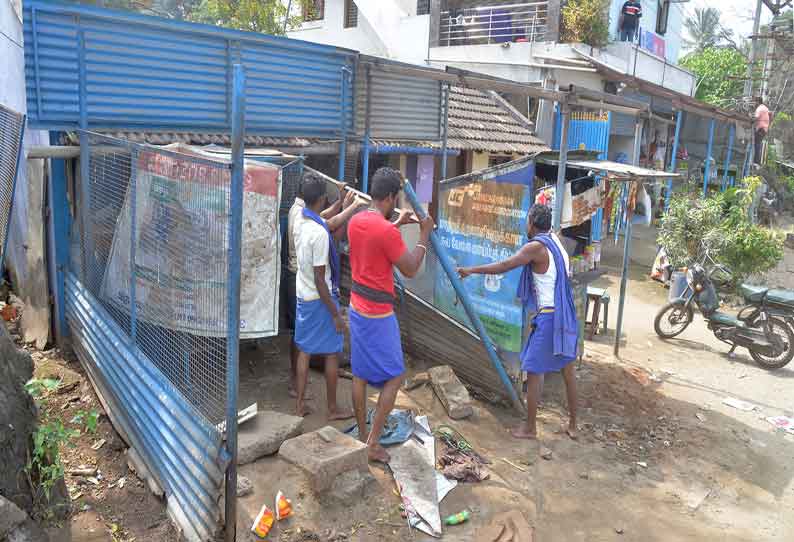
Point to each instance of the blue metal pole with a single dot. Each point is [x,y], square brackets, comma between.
[343,143]
[463,295]
[559,192]
[445,135]
[624,276]
[709,151]
[673,161]
[60,233]
[133,226]
[748,158]
[729,155]
[365,147]
[87,251]
[233,293]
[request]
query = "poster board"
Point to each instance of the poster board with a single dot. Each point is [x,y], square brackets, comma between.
[181,220]
[483,219]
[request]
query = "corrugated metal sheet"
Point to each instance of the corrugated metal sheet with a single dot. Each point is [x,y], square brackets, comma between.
[182,450]
[587,131]
[132,70]
[401,106]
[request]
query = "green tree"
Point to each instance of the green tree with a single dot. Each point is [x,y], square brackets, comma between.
[586,21]
[266,16]
[720,72]
[704,29]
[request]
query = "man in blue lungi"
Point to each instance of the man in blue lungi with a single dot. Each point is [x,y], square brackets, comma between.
[319,326]
[545,289]
[376,356]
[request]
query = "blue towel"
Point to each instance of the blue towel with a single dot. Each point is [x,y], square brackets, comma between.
[566,326]
[333,255]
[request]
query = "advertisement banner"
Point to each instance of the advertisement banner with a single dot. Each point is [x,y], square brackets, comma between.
[483,219]
[181,252]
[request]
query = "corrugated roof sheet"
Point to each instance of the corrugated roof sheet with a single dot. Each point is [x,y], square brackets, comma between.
[193,138]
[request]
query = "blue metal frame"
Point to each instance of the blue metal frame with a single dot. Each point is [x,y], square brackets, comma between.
[728,155]
[233,292]
[463,295]
[561,169]
[343,121]
[60,228]
[709,152]
[445,134]
[679,120]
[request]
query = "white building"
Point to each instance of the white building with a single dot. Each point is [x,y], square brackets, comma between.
[514,40]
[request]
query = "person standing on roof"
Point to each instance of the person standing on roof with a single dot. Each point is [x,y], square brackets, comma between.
[630,15]
[376,356]
[544,289]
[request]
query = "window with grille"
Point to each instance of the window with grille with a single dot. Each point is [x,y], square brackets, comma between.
[422,7]
[663,15]
[313,10]
[351,14]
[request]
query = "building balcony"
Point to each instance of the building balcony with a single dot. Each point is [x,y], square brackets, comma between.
[473,24]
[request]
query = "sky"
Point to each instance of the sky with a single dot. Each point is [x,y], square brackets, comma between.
[735,14]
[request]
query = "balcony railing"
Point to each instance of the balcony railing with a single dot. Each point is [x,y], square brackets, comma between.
[517,22]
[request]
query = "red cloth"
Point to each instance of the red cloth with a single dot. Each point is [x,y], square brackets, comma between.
[375,246]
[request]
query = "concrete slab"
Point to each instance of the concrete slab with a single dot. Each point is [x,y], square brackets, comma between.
[452,393]
[264,434]
[334,462]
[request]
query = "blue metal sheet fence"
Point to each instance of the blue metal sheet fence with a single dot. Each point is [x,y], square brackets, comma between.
[148,307]
[12,130]
[586,131]
[122,70]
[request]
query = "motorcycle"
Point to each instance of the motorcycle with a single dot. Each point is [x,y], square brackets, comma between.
[765,326]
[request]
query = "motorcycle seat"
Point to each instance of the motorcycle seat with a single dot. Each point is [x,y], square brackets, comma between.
[753,294]
[724,319]
[781,297]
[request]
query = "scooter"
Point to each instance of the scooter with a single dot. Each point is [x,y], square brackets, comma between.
[758,326]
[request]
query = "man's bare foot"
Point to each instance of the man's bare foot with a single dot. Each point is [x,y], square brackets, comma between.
[340,414]
[303,411]
[378,454]
[293,394]
[523,432]
[572,431]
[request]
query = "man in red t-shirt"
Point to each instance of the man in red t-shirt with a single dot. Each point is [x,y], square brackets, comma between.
[376,356]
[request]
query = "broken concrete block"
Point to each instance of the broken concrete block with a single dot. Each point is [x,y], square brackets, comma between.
[453,395]
[264,434]
[413,382]
[334,462]
[244,486]
[10,517]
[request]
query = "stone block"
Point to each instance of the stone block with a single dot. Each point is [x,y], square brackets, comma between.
[10,517]
[332,460]
[264,434]
[452,393]
[244,486]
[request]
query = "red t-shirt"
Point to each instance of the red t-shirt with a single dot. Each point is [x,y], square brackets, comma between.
[375,246]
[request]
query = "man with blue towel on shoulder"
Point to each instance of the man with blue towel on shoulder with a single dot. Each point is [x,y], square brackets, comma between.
[545,289]
[319,327]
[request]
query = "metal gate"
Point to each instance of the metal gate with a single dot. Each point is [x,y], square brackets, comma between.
[150,244]
[12,129]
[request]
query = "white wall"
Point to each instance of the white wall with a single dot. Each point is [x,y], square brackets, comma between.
[397,33]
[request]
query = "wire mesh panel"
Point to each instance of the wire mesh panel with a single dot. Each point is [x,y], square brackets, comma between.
[12,126]
[155,230]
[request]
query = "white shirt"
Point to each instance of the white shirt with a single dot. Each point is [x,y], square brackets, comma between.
[311,249]
[545,282]
[294,213]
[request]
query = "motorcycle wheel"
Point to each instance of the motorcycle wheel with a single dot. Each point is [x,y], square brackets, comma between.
[676,316]
[785,333]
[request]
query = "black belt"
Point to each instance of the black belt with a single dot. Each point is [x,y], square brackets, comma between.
[374,295]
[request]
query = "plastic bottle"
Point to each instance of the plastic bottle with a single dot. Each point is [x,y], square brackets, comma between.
[457,519]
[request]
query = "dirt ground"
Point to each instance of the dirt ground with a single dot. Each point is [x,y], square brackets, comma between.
[660,457]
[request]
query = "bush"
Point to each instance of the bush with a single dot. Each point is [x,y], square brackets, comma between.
[722,222]
[586,21]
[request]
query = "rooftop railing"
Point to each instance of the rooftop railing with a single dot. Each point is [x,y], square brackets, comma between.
[507,23]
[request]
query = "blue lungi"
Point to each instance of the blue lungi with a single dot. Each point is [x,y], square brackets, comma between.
[538,356]
[315,332]
[376,352]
